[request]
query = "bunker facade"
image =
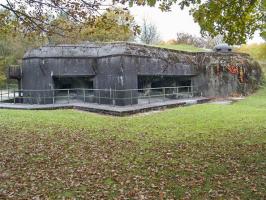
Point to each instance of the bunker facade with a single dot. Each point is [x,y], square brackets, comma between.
[128,68]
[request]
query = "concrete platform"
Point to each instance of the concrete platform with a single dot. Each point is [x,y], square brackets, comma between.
[109,109]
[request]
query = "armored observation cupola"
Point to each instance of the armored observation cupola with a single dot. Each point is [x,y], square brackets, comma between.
[223,48]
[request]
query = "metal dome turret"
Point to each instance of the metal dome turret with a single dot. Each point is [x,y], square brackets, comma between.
[224,48]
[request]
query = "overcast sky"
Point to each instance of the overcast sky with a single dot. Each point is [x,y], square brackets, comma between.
[169,23]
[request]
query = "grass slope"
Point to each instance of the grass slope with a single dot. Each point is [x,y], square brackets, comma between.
[197,152]
[181,47]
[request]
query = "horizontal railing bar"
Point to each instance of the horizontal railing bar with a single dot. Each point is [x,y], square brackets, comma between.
[105,90]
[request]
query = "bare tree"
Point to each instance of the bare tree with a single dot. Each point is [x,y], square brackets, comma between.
[185,38]
[149,33]
[212,42]
[201,42]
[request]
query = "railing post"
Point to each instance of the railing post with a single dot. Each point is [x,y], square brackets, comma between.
[14,96]
[1,95]
[114,95]
[31,98]
[131,96]
[192,91]
[44,97]
[68,95]
[53,96]
[99,100]
[164,94]
[149,93]
[84,95]
[110,96]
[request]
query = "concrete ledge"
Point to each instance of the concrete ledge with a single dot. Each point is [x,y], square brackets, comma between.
[108,109]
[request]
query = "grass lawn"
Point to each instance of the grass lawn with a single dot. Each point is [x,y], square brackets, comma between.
[198,152]
[181,47]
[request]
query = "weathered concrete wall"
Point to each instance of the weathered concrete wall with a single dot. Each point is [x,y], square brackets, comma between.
[38,74]
[114,73]
[222,75]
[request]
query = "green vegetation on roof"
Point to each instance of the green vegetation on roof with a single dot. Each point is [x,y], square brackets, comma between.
[181,47]
[256,51]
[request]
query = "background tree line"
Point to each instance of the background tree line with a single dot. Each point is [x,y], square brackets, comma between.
[235,20]
[113,25]
[201,42]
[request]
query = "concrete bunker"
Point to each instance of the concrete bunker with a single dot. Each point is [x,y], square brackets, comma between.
[127,74]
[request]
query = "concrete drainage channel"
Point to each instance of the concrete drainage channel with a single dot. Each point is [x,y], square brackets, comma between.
[107,109]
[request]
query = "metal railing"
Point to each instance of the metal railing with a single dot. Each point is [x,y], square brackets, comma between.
[100,96]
